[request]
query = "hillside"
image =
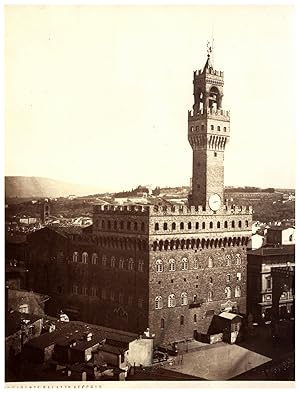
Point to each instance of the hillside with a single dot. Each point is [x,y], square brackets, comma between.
[40,187]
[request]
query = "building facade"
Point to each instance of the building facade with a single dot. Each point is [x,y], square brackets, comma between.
[167,268]
[262,265]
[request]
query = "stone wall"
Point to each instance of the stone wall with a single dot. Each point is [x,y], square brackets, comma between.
[199,279]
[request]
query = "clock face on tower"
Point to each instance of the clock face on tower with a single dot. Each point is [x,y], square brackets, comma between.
[214,202]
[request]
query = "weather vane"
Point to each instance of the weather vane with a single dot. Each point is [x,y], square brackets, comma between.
[209,47]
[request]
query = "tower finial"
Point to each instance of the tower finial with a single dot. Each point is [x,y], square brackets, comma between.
[209,48]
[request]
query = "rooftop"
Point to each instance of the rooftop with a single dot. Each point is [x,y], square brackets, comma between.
[287,249]
[228,315]
[13,321]
[65,332]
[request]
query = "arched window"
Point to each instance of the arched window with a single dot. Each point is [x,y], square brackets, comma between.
[212,127]
[173,225]
[112,296]
[210,296]
[196,264]
[135,226]
[238,259]
[228,278]
[75,256]
[122,225]
[184,299]
[184,263]
[130,264]
[197,225]
[211,225]
[181,225]
[158,303]
[171,300]
[94,258]
[156,227]
[240,224]
[210,262]
[228,292]
[218,128]
[237,292]
[142,226]
[121,263]
[181,320]
[218,224]
[128,225]
[159,266]
[203,225]
[103,224]
[172,265]
[162,323]
[225,224]
[121,298]
[108,224]
[247,223]
[94,291]
[228,260]
[140,302]
[232,224]
[112,261]
[84,257]
[195,317]
[115,224]
[103,293]
[165,226]
[140,266]
[189,225]
[224,129]
[104,259]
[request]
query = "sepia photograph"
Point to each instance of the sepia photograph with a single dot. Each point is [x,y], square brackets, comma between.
[150,174]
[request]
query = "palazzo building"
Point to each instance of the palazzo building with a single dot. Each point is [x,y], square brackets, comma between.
[167,268]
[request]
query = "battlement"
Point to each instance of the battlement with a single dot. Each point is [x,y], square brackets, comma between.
[209,70]
[124,209]
[209,113]
[175,210]
[197,210]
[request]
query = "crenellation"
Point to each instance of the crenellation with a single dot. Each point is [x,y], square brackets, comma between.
[178,210]
[123,209]
[210,112]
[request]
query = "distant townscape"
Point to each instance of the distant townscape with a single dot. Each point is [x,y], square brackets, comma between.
[24,214]
[155,283]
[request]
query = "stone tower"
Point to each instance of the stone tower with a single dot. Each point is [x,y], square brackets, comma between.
[208,134]
[168,268]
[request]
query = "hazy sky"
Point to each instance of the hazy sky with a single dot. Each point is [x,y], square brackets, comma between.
[99,94]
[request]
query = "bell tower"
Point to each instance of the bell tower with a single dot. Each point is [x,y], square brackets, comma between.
[208,134]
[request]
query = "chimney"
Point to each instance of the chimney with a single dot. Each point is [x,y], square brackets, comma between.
[89,336]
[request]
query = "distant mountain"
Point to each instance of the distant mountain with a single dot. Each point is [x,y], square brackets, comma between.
[42,187]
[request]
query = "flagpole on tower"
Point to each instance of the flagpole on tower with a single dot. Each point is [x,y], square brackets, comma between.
[212,45]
